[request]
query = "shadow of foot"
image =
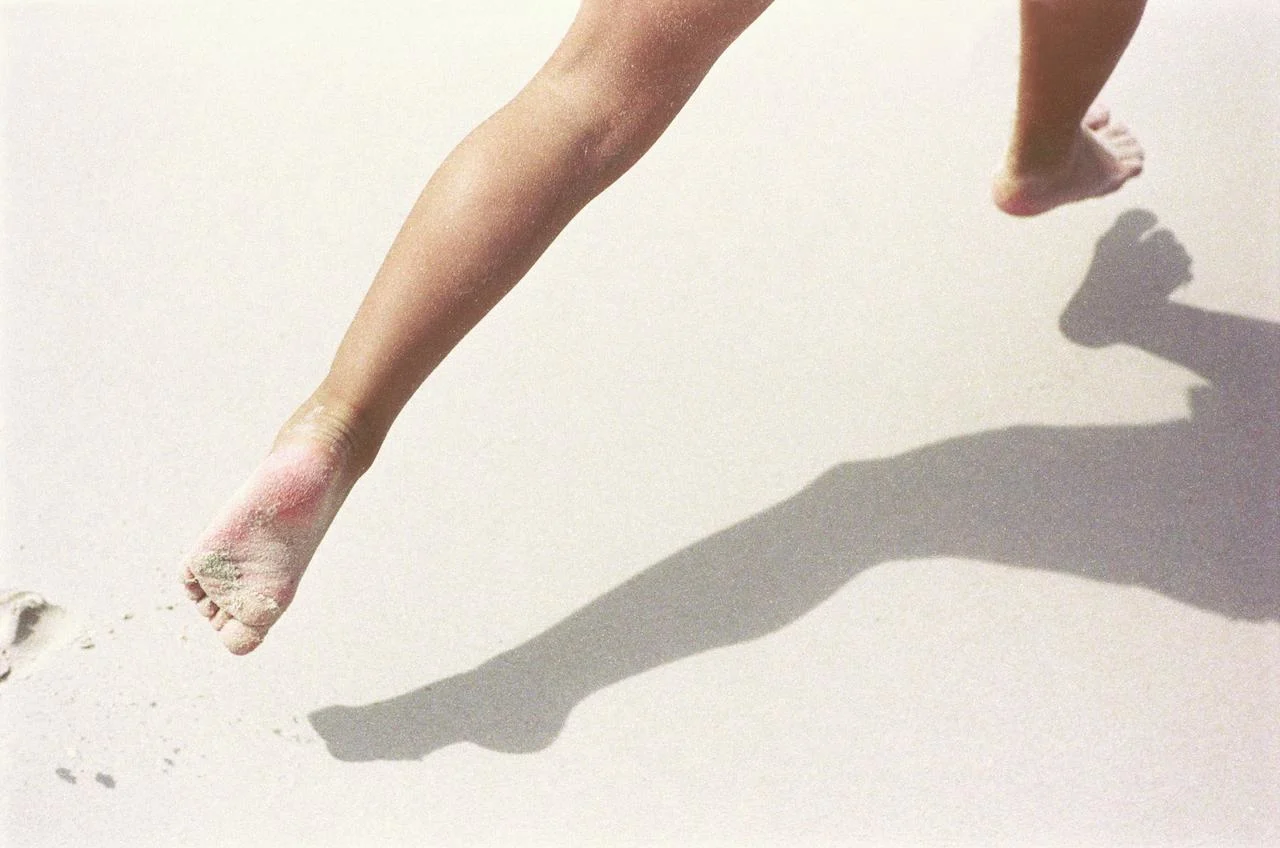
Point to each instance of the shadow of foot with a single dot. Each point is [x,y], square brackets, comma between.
[1134,269]
[1187,508]
[497,706]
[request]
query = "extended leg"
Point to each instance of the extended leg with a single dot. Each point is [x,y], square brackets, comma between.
[623,71]
[1061,151]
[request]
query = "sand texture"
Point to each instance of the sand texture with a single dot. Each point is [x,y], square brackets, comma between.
[796,497]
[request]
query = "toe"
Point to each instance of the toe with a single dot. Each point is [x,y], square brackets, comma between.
[240,638]
[1131,164]
[207,607]
[1097,117]
[1116,132]
[189,582]
[1130,151]
[220,619]
[255,609]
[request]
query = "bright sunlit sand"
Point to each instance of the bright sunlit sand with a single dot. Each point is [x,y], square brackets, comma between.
[797,496]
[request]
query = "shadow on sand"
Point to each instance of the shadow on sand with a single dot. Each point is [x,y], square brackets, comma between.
[1188,508]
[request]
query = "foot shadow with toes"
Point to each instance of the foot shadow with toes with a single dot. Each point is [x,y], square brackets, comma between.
[1188,508]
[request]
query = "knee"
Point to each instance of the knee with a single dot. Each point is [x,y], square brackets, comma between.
[659,35]
[626,67]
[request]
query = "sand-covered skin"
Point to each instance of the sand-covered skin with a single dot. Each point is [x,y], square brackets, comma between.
[245,569]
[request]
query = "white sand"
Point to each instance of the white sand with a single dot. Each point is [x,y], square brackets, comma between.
[32,633]
[1070,638]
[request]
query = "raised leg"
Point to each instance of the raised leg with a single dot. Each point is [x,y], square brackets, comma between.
[1062,150]
[621,74]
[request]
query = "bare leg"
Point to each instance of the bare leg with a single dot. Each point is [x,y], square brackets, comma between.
[617,80]
[1062,151]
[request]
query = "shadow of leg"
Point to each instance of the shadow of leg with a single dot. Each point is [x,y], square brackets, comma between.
[741,583]
[1186,508]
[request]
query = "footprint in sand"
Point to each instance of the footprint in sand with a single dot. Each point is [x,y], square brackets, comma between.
[31,628]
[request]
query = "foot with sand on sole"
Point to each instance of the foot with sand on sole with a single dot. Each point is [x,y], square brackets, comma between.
[245,568]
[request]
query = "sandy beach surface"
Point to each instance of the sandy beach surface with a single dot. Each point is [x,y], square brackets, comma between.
[779,505]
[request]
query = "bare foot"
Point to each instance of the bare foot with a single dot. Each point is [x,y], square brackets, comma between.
[246,566]
[1104,156]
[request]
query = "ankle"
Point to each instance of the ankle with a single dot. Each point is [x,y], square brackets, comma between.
[1042,160]
[338,426]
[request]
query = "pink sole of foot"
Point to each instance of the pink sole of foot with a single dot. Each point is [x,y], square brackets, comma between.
[247,565]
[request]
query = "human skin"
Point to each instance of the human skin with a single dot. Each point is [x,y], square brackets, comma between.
[617,80]
[619,77]
[1061,150]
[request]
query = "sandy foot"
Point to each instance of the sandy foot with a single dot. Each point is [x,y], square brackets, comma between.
[1104,157]
[245,569]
